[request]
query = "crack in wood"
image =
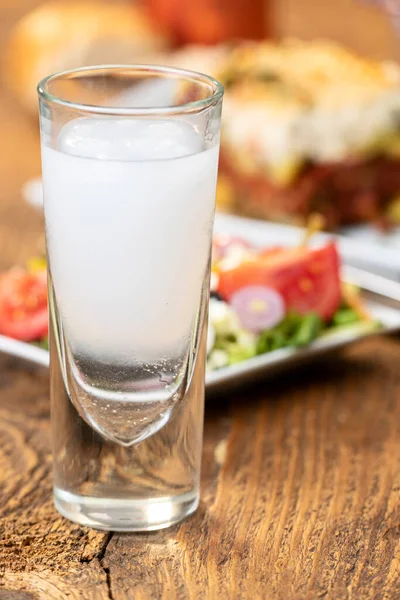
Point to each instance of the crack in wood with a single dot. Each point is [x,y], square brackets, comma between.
[108,581]
[308,493]
[106,569]
[103,549]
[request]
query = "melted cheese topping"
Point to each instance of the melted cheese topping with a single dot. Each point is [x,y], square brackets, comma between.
[295,101]
[299,101]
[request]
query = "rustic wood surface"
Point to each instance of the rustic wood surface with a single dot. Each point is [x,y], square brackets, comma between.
[301,475]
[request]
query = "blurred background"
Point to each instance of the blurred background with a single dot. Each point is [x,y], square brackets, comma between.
[38,38]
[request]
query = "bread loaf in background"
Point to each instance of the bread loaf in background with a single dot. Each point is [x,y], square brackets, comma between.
[68,34]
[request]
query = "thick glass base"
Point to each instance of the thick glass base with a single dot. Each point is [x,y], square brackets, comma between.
[115,514]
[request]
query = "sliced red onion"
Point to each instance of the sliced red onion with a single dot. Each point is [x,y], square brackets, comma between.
[258,307]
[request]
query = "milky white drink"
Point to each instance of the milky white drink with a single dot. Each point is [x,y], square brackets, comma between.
[129,193]
[129,212]
[129,209]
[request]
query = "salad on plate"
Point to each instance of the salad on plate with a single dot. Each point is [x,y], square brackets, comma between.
[265,299]
[262,300]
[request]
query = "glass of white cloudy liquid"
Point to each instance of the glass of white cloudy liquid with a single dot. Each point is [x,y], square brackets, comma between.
[129,161]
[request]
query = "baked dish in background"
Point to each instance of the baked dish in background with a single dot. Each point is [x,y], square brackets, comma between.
[307,127]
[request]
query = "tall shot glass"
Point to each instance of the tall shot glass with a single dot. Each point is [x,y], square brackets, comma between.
[129,163]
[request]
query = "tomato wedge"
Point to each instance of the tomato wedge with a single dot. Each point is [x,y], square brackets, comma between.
[307,278]
[23,305]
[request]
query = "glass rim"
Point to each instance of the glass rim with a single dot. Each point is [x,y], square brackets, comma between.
[193,106]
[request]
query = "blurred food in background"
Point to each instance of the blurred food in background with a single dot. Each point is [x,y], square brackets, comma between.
[62,35]
[212,21]
[307,126]
[311,127]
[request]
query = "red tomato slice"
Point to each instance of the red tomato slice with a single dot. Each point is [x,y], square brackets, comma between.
[307,278]
[23,305]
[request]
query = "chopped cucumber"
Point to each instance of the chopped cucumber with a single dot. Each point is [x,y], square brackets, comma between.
[295,330]
[238,353]
[309,329]
[345,316]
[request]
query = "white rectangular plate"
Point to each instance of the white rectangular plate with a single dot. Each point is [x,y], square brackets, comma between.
[273,362]
[279,360]
[259,366]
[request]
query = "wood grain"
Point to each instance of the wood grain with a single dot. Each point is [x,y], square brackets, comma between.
[300,495]
[301,475]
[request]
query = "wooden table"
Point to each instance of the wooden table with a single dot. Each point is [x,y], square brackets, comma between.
[300,496]
[300,484]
